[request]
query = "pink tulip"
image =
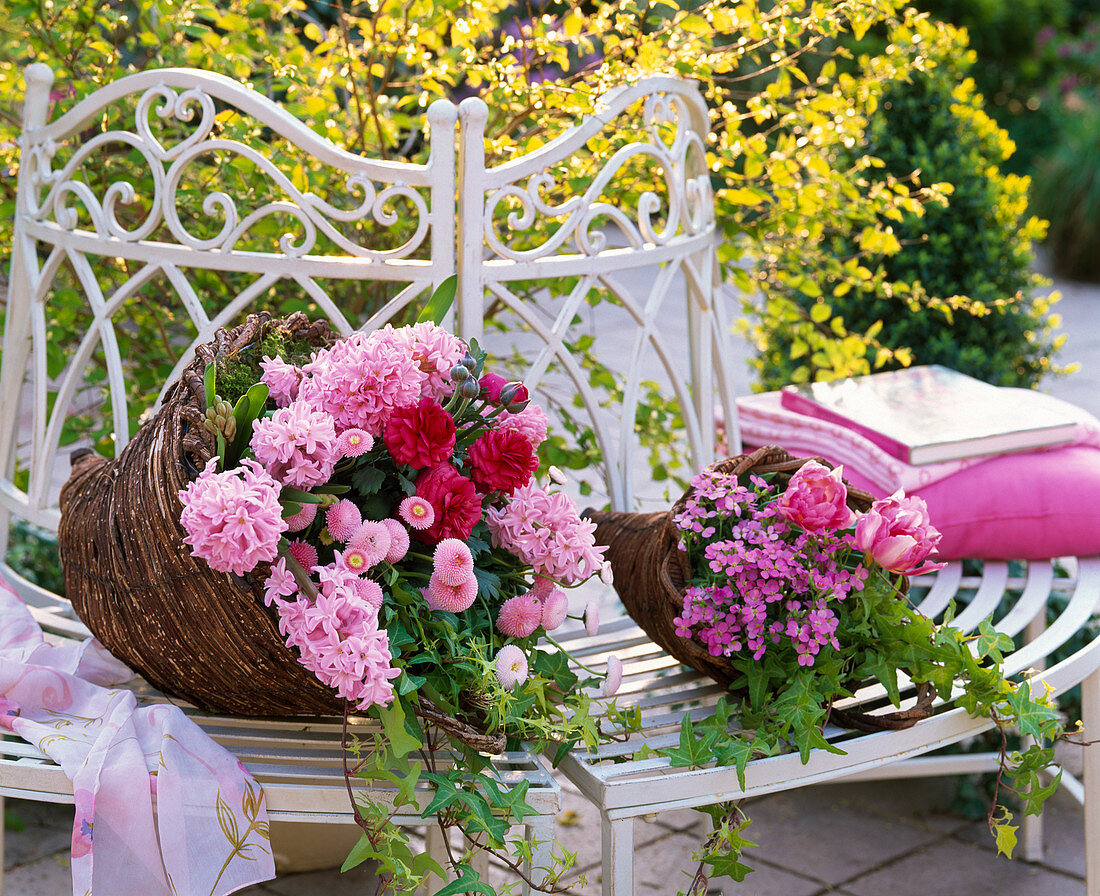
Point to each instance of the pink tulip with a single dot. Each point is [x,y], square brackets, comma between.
[815,499]
[897,534]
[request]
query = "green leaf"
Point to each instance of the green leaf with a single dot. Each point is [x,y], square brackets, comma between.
[289,493]
[1005,835]
[440,303]
[208,384]
[692,752]
[992,643]
[392,717]
[467,882]
[360,853]
[368,479]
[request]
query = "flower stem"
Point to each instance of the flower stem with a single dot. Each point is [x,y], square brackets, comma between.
[576,661]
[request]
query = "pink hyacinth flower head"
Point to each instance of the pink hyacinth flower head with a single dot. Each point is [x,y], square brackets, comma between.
[519,616]
[304,553]
[816,499]
[279,584]
[453,562]
[417,512]
[898,535]
[510,667]
[281,379]
[303,519]
[297,445]
[614,678]
[354,442]
[451,598]
[399,541]
[373,539]
[555,608]
[343,520]
[233,519]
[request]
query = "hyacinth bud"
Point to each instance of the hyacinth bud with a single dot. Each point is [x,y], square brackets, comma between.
[459,373]
[229,428]
[470,389]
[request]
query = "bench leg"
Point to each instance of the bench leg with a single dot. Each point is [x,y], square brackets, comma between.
[540,833]
[1,845]
[618,856]
[1031,826]
[1090,712]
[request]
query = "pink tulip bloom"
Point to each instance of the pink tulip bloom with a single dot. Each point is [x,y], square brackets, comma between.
[897,534]
[815,499]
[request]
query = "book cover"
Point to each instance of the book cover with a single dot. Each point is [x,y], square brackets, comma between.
[927,414]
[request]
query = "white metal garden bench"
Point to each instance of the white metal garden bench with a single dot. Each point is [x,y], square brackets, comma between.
[662,322]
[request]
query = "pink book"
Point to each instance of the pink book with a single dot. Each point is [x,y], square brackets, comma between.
[924,415]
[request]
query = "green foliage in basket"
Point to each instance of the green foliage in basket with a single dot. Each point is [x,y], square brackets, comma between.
[969,303]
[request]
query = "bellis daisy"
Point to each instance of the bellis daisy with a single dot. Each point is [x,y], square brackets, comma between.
[510,667]
[417,512]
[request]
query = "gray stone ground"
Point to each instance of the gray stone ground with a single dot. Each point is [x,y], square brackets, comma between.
[893,838]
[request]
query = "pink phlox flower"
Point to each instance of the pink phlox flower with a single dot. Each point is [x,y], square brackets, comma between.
[545,531]
[303,519]
[614,678]
[417,512]
[555,608]
[510,667]
[280,583]
[373,538]
[233,519]
[453,562]
[304,553]
[343,520]
[360,380]
[451,598]
[531,423]
[519,616]
[399,541]
[297,445]
[354,443]
[282,380]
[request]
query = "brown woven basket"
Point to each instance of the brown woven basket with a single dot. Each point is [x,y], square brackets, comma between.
[651,574]
[192,632]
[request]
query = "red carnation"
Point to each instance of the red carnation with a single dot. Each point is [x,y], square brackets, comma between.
[456,503]
[502,460]
[420,435]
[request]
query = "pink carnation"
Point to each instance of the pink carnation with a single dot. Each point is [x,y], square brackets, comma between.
[531,423]
[399,541]
[233,519]
[453,562]
[281,378]
[303,519]
[297,445]
[545,531]
[451,598]
[343,520]
[373,539]
[360,380]
[519,616]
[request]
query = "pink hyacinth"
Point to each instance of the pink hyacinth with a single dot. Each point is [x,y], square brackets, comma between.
[354,443]
[297,445]
[435,350]
[343,520]
[280,583]
[510,667]
[304,553]
[451,598]
[373,539]
[417,512]
[554,610]
[361,379]
[815,499]
[282,380]
[545,531]
[519,616]
[399,541]
[233,519]
[897,533]
[453,562]
[303,519]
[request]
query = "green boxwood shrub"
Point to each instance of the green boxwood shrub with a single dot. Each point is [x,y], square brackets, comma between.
[971,306]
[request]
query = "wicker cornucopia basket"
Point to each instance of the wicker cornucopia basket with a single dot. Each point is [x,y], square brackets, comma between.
[192,632]
[651,574]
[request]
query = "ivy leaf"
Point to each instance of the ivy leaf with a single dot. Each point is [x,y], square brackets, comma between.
[446,794]
[511,800]
[693,752]
[1034,797]
[467,882]
[1032,717]
[392,717]
[992,643]
[729,866]
[736,753]
[360,853]
[1005,835]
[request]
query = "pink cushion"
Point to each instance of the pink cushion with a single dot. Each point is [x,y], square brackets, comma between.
[1013,506]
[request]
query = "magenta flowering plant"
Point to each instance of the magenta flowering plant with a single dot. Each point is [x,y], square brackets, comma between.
[385,490]
[805,597]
